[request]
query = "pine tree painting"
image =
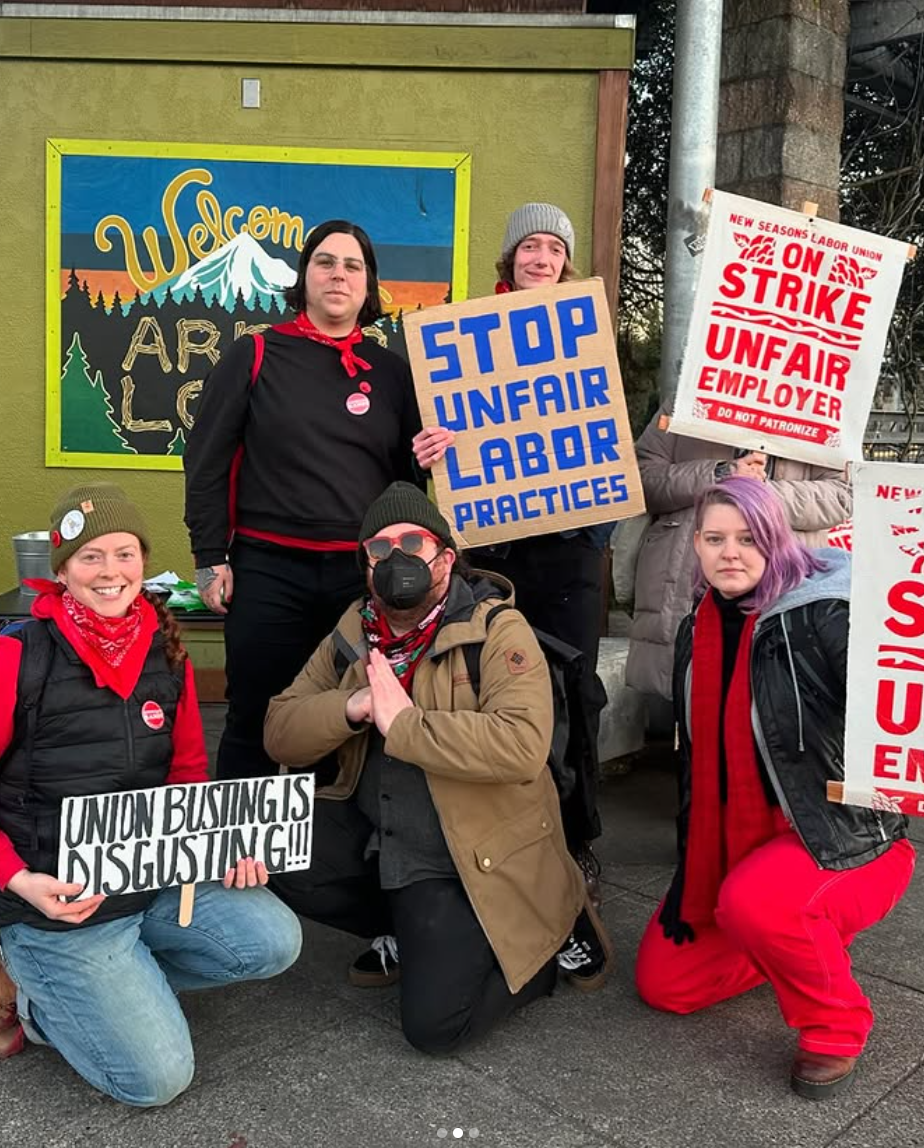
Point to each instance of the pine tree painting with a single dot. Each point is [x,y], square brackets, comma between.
[87,424]
[177,444]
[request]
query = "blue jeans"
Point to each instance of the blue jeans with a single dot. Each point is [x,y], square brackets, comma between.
[105,995]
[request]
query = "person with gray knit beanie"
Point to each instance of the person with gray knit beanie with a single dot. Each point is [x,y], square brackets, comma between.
[559,578]
[538,219]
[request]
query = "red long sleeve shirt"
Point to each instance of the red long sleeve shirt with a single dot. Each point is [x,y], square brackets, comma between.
[189,764]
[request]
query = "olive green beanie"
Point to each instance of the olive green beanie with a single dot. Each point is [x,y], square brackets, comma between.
[88,512]
[403,502]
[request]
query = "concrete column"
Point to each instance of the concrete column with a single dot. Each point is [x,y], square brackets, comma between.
[781,107]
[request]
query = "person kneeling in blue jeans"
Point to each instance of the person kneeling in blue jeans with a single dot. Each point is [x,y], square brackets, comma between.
[97,695]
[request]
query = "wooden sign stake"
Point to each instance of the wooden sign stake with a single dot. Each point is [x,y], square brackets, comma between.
[836,791]
[809,208]
[187,896]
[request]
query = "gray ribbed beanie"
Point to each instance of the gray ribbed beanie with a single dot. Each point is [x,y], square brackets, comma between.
[535,217]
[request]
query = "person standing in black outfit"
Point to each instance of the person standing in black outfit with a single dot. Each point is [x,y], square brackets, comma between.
[558,577]
[298,430]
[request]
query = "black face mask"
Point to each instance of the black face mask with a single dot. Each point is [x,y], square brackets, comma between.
[402,580]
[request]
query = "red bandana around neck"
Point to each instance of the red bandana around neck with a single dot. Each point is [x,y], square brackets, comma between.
[350,360]
[502,288]
[721,835]
[404,653]
[114,649]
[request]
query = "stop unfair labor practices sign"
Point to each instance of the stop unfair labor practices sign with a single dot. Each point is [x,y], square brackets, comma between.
[884,743]
[787,334]
[530,383]
[182,834]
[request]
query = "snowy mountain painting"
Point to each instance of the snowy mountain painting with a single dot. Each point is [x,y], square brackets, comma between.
[240,265]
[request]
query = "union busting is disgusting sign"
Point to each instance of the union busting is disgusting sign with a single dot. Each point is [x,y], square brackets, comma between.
[530,383]
[787,334]
[182,834]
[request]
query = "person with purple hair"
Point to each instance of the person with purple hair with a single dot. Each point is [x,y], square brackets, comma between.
[773,881]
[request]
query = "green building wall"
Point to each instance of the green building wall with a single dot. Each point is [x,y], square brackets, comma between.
[523,102]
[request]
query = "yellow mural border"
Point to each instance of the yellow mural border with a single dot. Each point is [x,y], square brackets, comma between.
[356,157]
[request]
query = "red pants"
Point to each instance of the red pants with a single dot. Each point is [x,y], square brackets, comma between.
[782,919]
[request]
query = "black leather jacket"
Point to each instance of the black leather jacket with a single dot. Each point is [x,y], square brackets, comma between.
[798,687]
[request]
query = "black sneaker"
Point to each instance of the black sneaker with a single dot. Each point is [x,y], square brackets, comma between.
[377,966]
[587,955]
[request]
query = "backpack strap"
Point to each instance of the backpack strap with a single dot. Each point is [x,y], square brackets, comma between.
[344,654]
[38,652]
[472,651]
[259,345]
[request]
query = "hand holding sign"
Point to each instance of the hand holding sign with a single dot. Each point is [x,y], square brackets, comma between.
[752,465]
[247,874]
[44,892]
[431,444]
[388,695]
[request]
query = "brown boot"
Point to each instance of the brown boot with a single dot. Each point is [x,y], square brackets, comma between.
[12,1038]
[12,1041]
[817,1075]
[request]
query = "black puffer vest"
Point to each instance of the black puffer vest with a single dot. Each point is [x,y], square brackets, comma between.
[71,739]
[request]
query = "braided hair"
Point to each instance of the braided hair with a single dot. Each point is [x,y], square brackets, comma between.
[170,628]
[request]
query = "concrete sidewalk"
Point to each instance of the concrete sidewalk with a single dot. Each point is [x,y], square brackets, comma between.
[307,1060]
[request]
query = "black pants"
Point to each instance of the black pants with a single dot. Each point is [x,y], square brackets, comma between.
[452,989]
[285,602]
[559,588]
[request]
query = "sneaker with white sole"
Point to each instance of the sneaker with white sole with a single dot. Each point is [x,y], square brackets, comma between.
[377,966]
[587,955]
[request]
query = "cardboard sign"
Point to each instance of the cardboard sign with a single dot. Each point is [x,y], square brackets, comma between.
[530,383]
[787,334]
[181,834]
[884,750]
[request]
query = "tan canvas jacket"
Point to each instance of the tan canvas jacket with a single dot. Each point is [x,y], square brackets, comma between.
[485,762]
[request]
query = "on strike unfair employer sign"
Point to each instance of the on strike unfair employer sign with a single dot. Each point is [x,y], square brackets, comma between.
[182,834]
[530,384]
[787,334]
[884,750]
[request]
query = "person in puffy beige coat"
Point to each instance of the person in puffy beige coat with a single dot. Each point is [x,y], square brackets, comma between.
[674,469]
[441,832]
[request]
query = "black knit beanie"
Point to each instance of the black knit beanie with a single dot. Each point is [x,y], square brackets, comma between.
[403,502]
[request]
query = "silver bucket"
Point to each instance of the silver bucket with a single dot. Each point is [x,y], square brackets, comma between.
[32,556]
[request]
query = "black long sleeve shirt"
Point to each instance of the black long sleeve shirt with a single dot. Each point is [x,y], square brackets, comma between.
[310,465]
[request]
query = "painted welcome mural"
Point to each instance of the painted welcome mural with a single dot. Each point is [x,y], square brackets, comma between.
[159,256]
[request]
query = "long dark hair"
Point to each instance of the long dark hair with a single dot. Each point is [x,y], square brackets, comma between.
[296,295]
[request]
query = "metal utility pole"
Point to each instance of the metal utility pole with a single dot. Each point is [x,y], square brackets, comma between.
[694,122]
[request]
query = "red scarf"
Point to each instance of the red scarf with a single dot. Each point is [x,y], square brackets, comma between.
[404,653]
[351,361]
[115,649]
[721,835]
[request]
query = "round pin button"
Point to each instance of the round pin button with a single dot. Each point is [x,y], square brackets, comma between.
[357,404]
[152,715]
[72,524]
